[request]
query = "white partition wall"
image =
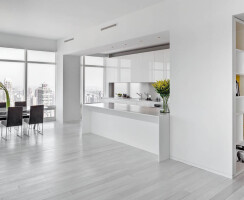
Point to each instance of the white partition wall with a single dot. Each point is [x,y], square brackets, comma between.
[71,88]
[201,72]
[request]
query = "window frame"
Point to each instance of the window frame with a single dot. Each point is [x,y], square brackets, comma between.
[26,62]
[83,69]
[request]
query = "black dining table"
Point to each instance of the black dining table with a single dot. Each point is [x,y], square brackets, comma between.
[3,113]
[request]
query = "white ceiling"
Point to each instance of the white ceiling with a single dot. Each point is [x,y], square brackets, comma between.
[136,43]
[55,19]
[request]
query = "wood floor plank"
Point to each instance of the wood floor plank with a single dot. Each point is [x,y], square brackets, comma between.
[66,165]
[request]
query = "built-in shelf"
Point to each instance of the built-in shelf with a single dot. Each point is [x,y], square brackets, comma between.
[239,97]
[239,165]
[239,168]
[239,62]
[239,103]
[240,51]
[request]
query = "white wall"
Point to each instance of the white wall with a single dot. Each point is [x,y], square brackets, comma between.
[201,84]
[201,73]
[24,42]
[71,88]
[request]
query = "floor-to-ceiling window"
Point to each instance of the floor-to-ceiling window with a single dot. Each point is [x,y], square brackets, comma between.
[12,74]
[93,74]
[41,81]
[29,76]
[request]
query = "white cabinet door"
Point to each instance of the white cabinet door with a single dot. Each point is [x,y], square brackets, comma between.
[112,70]
[142,66]
[125,69]
[161,69]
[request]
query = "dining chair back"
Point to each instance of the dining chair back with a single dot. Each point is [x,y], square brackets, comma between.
[20,103]
[14,116]
[2,104]
[36,114]
[36,118]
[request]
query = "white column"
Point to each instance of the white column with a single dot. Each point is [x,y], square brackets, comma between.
[71,88]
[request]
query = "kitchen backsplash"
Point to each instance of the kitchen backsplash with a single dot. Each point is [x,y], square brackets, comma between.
[132,90]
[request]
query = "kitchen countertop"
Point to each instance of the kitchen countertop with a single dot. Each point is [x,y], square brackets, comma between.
[153,111]
[129,99]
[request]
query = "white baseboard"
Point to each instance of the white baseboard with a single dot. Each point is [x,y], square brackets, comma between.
[230,176]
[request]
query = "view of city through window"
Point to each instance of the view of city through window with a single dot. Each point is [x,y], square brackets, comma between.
[93,79]
[40,78]
[93,84]
[41,86]
[13,77]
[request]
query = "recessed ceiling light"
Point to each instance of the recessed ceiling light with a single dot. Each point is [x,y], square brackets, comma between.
[159,37]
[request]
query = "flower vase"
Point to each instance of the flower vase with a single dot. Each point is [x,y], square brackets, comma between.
[165,105]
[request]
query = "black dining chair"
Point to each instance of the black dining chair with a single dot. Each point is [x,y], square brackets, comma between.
[20,103]
[14,118]
[2,104]
[36,118]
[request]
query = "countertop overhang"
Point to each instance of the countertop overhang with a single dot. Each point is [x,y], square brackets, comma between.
[150,111]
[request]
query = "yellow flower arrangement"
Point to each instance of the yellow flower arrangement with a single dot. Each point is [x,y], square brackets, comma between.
[163,88]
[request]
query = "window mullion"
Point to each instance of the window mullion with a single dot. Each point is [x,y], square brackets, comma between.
[84,81]
[26,75]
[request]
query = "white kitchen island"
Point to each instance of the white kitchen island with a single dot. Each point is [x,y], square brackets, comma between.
[141,127]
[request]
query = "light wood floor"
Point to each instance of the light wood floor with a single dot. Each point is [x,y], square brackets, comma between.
[63,165]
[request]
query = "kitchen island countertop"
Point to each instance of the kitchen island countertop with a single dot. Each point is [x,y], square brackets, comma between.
[127,108]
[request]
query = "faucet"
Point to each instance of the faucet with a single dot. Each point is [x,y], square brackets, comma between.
[140,95]
[149,97]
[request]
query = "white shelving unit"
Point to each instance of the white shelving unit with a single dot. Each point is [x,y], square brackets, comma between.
[238,100]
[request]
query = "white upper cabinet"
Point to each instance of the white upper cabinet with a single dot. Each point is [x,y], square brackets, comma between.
[161,65]
[142,67]
[125,68]
[111,70]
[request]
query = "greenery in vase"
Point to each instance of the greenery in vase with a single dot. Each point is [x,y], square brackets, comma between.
[163,88]
[2,87]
